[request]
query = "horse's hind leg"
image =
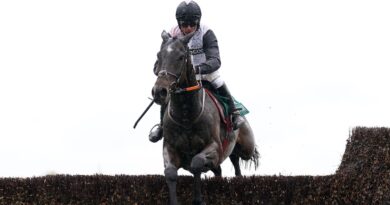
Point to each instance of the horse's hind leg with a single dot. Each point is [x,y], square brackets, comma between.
[235,159]
[217,171]
[246,141]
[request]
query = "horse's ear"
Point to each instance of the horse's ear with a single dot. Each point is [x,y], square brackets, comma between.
[187,38]
[165,36]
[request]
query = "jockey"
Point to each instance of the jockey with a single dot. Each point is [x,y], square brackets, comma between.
[205,58]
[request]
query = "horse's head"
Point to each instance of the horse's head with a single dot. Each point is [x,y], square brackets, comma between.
[174,67]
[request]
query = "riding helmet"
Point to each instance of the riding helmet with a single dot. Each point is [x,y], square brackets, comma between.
[188,11]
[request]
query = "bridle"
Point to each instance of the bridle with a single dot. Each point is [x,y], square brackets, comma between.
[173,88]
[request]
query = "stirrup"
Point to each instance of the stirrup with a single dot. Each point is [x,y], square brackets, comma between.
[155,135]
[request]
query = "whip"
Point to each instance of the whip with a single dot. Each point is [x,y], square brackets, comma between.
[142,115]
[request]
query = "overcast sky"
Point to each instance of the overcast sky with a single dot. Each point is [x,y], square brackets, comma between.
[75,75]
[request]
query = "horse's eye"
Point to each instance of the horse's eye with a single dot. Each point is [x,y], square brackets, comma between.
[180,58]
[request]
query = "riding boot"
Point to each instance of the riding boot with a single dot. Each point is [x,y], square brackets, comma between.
[157,134]
[237,120]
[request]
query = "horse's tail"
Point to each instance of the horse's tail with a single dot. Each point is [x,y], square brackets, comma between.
[254,160]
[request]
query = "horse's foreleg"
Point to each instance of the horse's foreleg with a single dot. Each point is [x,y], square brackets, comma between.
[197,166]
[171,179]
[205,160]
[197,190]
[170,173]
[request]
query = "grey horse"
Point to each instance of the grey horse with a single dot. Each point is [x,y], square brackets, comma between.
[195,136]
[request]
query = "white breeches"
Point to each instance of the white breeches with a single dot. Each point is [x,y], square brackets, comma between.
[214,78]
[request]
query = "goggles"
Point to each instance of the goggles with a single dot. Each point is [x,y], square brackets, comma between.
[188,23]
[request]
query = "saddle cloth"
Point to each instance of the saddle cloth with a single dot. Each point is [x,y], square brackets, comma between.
[223,108]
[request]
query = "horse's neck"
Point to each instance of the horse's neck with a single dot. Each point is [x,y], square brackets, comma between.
[185,108]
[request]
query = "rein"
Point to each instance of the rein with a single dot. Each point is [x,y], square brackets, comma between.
[177,90]
[187,89]
[186,64]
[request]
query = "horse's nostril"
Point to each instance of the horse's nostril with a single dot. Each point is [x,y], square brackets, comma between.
[159,94]
[163,92]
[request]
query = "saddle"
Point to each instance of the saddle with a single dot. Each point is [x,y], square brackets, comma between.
[222,110]
[222,106]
